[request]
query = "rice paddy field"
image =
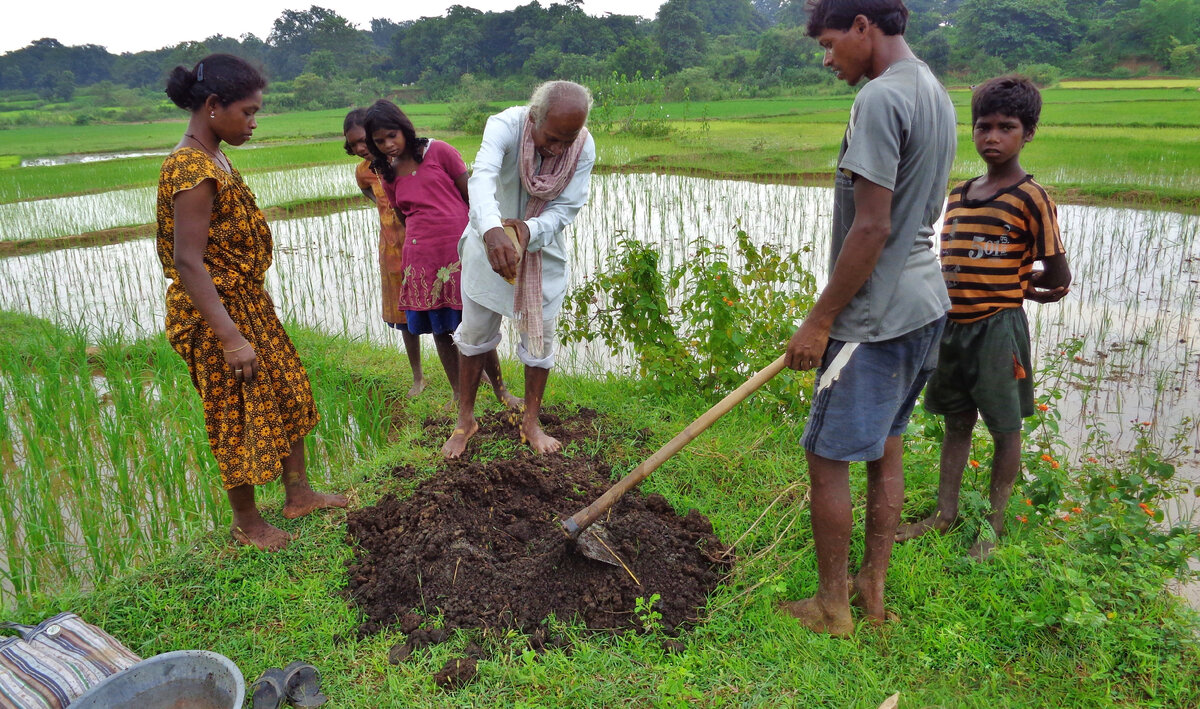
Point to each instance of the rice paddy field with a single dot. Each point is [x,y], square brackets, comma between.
[112,504]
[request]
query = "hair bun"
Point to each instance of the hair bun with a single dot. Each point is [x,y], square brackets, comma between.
[179,86]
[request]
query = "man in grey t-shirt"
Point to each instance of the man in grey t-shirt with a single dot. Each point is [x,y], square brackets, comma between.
[873,333]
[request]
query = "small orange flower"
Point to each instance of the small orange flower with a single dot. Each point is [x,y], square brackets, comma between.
[1043,407]
[1066,518]
[1146,423]
[974,463]
[1022,519]
[1077,510]
[1092,459]
[1078,358]
[1054,464]
[1046,457]
[1149,512]
[1029,502]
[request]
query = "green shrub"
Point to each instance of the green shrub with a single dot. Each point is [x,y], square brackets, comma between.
[703,326]
[472,116]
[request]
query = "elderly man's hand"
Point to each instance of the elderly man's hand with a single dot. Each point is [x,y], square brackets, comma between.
[500,252]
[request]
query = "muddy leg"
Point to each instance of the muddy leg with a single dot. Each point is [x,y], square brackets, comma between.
[448,354]
[412,347]
[469,371]
[829,610]
[299,498]
[531,428]
[1006,464]
[491,368]
[956,448]
[249,527]
[885,499]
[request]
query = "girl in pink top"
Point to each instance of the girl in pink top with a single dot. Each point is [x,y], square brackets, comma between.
[427,181]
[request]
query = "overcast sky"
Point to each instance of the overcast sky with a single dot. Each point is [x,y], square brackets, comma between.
[136,25]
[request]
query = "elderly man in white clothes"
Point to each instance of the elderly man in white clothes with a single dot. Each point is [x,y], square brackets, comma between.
[532,174]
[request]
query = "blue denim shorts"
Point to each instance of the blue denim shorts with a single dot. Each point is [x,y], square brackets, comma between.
[437,322]
[865,393]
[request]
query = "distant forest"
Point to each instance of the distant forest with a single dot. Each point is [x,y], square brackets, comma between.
[705,48]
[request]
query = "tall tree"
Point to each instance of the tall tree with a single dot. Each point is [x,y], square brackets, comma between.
[1018,31]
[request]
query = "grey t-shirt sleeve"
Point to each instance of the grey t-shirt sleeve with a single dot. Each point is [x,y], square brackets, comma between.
[874,137]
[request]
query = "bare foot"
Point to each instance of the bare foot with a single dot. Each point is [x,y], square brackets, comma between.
[504,396]
[265,536]
[981,549]
[457,443]
[305,502]
[817,617]
[417,387]
[868,597]
[933,522]
[539,440]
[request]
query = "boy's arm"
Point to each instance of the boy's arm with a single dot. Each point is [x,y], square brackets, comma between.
[1052,283]
[864,242]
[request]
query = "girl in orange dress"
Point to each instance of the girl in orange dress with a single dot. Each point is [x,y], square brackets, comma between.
[391,240]
[215,247]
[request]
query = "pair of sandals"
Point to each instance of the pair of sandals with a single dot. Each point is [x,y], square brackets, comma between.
[298,683]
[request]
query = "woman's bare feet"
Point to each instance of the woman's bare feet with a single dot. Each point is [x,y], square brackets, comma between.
[264,536]
[539,440]
[417,387]
[457,443]
[303,502]
[913,530]
[815,615]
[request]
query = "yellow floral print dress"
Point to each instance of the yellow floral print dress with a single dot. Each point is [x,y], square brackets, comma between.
[251,426]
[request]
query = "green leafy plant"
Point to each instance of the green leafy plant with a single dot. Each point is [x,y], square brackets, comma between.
[704,325]
[649,618]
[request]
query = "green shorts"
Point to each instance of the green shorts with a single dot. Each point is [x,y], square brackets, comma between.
[985,366]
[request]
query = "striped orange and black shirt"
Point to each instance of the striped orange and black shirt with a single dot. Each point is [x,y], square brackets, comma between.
[989,247]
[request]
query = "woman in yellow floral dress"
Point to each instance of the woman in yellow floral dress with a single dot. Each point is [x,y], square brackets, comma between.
[215,248]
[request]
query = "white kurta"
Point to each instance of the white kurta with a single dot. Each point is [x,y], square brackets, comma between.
[496,193]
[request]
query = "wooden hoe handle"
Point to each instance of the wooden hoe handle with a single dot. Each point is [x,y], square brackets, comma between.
[582,519]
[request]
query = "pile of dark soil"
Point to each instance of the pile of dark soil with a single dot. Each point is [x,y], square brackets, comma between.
[480,543]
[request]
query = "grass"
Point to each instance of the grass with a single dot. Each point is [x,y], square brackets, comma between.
[122,424]
[963,638]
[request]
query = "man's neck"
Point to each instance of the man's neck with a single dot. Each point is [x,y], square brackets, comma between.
[889,49]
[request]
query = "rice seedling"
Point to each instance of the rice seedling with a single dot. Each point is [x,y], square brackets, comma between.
[106,461]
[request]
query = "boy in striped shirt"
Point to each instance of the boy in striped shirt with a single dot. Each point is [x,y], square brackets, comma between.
[996,227]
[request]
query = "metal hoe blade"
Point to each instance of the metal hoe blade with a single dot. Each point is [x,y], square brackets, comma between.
[594,544]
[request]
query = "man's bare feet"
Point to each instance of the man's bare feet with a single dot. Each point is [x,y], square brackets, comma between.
[868,597]
[457,443]
[305,502]
[981,549]
[915,529]
[266,537]
[539,440]
[813,614]
[417,387]
[505,397]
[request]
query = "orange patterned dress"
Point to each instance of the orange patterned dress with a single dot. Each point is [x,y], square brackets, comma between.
[391,241]
[251,426]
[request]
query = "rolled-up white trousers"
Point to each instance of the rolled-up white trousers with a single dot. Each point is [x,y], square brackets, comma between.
[479,333]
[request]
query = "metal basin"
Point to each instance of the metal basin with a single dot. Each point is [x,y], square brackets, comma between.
[185,679]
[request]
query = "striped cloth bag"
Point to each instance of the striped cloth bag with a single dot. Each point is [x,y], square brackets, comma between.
[55,661]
